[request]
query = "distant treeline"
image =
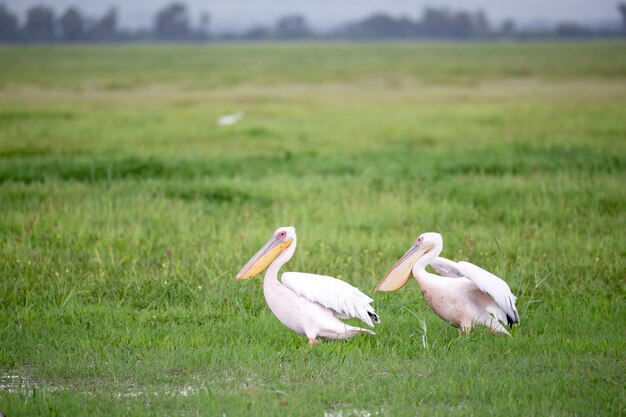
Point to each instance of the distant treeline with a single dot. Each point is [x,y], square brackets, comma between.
[173,23]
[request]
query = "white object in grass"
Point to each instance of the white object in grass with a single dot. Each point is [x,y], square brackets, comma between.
[230,119]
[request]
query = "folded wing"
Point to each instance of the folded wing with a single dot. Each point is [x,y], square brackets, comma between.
[344,299]
[494,286]
[446,267]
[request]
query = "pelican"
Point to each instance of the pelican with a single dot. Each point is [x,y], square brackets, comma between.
[308,304]
[230,119]
[463,295]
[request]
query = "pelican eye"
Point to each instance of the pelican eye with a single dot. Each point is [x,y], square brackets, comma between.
[281,235]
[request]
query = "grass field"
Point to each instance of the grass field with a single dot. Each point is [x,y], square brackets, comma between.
[125,214]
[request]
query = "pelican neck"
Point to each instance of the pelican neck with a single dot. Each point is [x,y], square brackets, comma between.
[272,271]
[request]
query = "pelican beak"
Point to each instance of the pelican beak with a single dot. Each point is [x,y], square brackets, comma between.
[263,258]
[400,273]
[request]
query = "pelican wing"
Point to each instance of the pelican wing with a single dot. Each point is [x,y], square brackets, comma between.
[446,268]
[494,286]
[344,299]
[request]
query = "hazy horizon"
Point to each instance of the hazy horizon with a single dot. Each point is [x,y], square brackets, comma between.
[324,14]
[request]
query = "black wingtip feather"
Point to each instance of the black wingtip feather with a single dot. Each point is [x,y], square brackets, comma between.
[374,316]
[511,320]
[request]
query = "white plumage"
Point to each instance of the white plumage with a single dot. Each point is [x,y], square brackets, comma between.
[446,267]
[487,282]
[344,299]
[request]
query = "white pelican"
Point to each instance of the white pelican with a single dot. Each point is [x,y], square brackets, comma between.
[308,304]
[230,119]
[463,295]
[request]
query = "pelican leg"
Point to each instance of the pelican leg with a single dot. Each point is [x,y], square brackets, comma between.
[494,325]
[464,331]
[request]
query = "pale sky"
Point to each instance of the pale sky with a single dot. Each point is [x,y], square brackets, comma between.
[325,14]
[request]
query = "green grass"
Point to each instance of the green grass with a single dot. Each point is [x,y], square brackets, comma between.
[125,214]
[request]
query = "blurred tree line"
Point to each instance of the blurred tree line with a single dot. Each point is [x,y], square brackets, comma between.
[41,24]
[441,23]
[172,23]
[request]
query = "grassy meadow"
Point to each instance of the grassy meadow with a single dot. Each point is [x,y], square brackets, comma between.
[125,213]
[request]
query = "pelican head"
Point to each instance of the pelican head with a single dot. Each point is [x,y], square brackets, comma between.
[282,238]
[428,244]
